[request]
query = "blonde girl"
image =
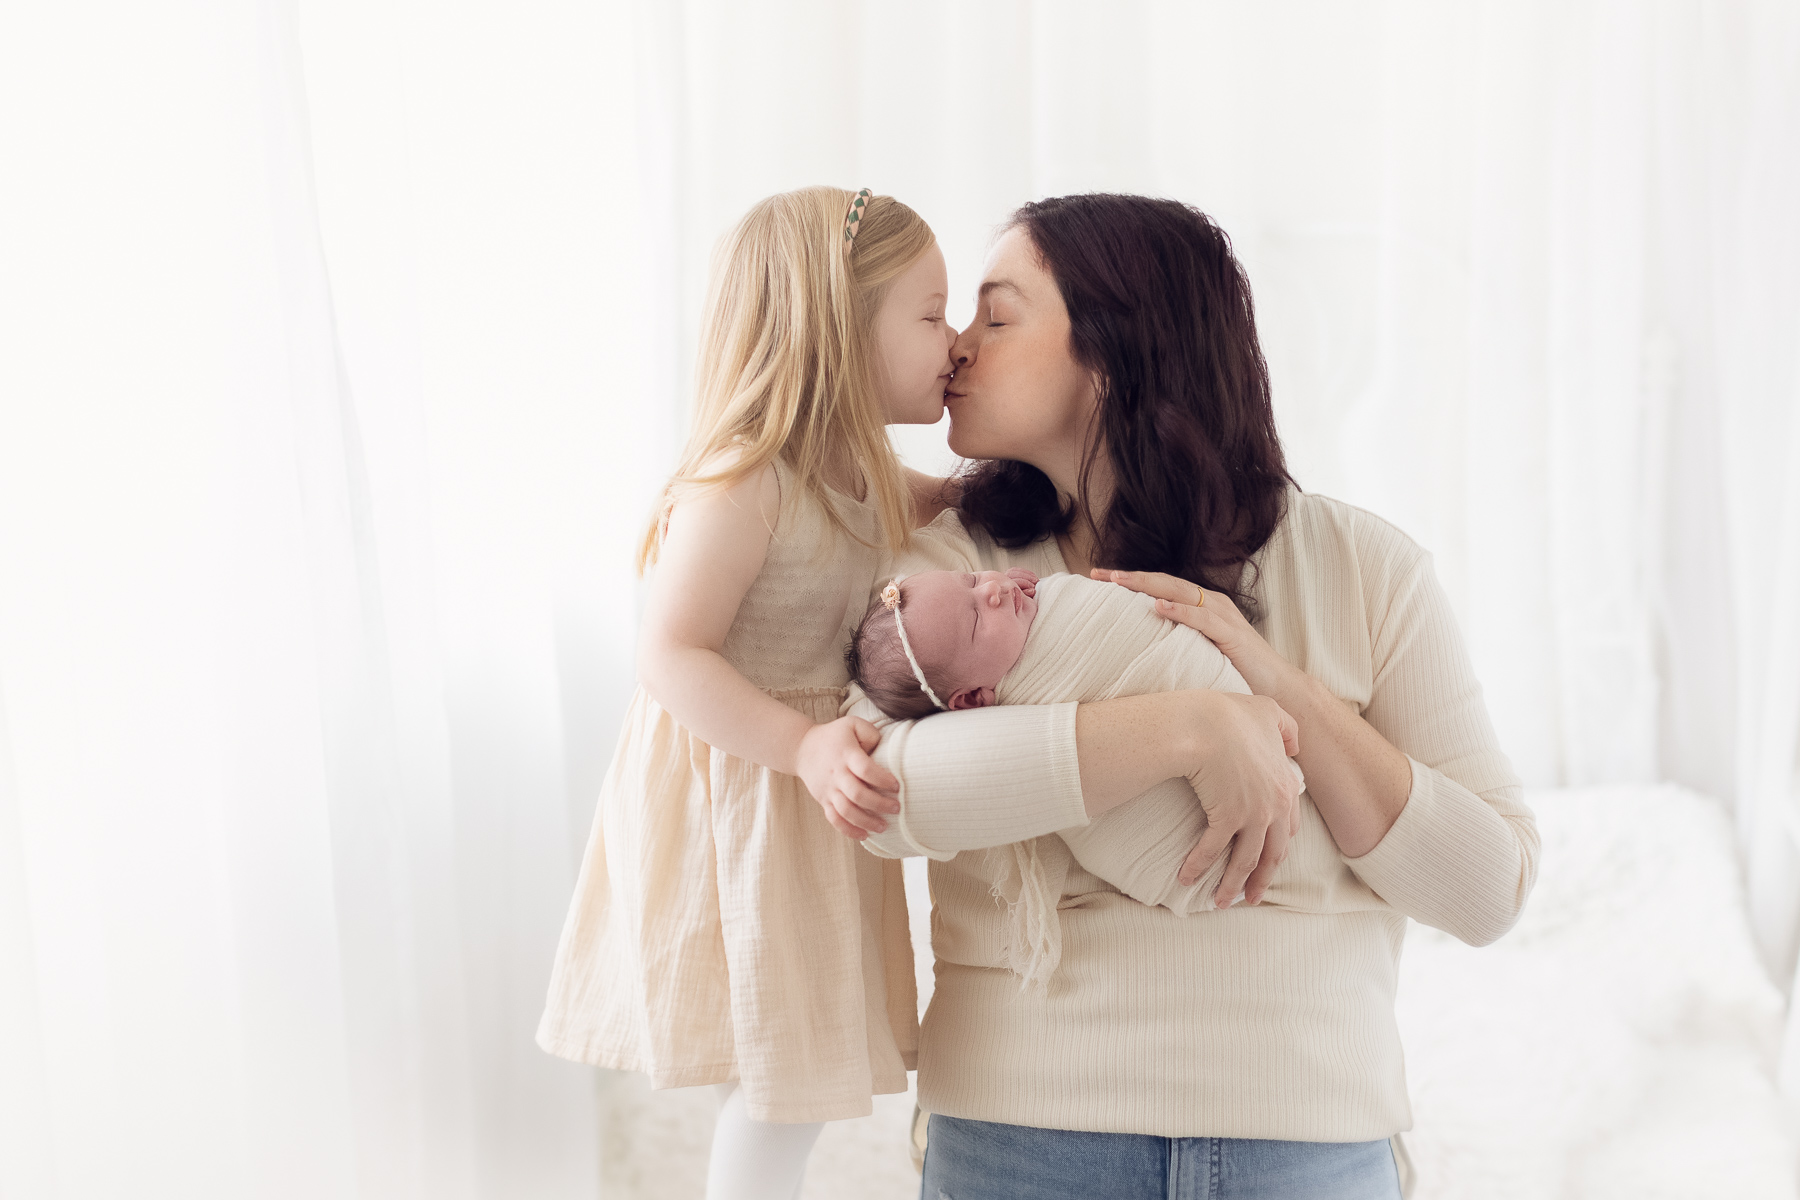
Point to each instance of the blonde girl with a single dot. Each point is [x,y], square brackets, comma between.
[722,930]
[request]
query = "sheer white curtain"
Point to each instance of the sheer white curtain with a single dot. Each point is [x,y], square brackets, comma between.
[344,345]
[323,440]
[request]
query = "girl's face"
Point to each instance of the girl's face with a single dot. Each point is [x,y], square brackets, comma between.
[1018,391]
[913,339]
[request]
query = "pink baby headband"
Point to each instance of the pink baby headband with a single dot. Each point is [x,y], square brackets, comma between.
[890,596]
[853,222]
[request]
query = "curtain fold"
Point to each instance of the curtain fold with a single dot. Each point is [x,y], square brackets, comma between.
[313,560]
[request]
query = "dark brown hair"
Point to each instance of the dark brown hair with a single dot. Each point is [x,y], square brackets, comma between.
[1160,311]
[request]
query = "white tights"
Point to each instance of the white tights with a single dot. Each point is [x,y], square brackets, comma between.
[755,1160]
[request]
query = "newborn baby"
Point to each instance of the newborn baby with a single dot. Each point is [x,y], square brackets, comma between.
[946,640]
[971,627]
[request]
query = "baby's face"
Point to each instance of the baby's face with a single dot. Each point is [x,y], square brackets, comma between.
[970,628]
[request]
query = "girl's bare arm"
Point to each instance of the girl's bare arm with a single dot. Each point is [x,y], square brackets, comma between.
[715,546]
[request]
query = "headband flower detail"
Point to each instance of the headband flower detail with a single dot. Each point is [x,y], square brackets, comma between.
[890,596]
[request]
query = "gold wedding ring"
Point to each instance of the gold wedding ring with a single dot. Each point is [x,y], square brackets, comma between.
[1201,602]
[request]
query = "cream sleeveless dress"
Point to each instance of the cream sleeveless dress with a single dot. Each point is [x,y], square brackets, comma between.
[721,928]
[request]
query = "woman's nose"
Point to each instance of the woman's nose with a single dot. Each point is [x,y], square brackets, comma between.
[962,350]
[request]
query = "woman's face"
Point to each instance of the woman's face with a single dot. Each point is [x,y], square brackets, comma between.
[914,342]
[1018,391]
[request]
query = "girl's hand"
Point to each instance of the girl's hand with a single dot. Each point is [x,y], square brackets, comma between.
[1213,615]
[1249,791]
[853,789]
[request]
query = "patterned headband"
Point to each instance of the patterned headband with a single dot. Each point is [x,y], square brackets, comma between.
[853,219]
[890,596]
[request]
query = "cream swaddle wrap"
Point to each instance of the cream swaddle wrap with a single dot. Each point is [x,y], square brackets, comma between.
[1095,641]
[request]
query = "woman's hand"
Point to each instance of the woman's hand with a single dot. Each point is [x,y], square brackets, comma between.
[853,789]
[1213,615]
[1249,792]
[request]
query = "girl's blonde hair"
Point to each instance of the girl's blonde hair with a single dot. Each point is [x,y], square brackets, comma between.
[787,365]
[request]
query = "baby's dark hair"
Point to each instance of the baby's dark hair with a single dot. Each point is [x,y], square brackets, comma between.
[877,660]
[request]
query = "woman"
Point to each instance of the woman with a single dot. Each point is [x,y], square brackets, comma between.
[1113,382]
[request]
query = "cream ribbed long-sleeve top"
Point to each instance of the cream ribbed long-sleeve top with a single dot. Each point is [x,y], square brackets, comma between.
[1252,1022]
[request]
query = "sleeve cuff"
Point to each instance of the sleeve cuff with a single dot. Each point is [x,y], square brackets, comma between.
[984,778]
[1449,860]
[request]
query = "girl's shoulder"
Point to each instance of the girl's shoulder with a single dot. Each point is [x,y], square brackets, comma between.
[762,490]
[793,514]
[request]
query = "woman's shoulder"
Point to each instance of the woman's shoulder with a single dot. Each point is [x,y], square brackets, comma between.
[943,544]
[949,544]
[1040,557]
[931,495]
[1325,538]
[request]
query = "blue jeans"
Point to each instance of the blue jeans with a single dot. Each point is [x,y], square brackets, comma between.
[979,1160]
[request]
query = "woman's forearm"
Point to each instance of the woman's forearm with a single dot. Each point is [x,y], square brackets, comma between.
[1357,780]
[1004,774]
[992,776]
[1128,745]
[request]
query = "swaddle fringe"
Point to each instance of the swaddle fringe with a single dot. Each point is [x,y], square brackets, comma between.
[1033,927]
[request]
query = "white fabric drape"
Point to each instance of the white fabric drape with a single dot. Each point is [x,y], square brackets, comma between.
[322,447]
[342,347]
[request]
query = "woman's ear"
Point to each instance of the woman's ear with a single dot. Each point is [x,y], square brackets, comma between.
[971,698]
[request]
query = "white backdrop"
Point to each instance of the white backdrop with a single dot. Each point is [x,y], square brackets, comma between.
[344,346]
